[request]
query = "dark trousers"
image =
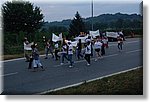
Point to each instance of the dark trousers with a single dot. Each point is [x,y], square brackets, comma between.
[103,50]
[120,46]
[87,58]
[91,50]
[79,54]
[56,54]
[46,52]
[70,59]
[64,56]
[30,63]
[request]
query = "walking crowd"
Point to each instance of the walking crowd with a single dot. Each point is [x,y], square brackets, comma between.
[64,50]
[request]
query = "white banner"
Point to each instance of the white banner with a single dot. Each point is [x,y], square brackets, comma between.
[112,34]
[55,38]
[73,43]
[94,33]
[60,36]
[28,46]
[82,39]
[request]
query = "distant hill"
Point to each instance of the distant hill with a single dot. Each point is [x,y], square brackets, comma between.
[104,18]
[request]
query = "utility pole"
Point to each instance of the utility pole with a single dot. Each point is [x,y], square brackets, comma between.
[92,13]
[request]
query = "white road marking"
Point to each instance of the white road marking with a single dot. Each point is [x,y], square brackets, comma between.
[124,42]
[134,51]
[13,60]
[103,57]
[17,59]
[131,42]
[9,74]
[77,84]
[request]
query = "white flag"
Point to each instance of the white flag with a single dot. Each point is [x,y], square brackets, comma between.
[28,46]
[74,43]
[82,38]
[55,38]
[60,37]
[94,33]
[112,34]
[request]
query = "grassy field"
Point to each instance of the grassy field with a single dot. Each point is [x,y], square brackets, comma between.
[129,83]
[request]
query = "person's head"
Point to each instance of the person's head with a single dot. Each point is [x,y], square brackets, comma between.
[56,42]
[89,37]
[43,37]
[88,43]
[97,39]
[33,46]
[69,42]
[25,39]
[79,40]
[64,43]
[36,45]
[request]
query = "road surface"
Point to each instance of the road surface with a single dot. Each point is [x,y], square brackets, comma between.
[19,80]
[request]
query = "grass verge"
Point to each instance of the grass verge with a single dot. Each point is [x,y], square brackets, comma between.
[128,83]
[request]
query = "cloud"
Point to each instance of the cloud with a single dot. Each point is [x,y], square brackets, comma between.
[61,11]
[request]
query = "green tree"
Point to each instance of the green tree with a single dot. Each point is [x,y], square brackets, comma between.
[76,26]
[21,16]
[119,23]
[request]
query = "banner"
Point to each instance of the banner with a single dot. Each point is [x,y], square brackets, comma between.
[73,43]
[112,34]
[94,33]
[55,38]
[28,46]
[82,39]
[60,37]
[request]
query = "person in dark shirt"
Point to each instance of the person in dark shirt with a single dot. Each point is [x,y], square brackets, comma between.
[79,49]
[36,60]
[48,47]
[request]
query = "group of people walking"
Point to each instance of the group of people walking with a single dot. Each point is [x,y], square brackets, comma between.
[83,51]
[65,50]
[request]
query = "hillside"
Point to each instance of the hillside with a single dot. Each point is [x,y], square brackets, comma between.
[104,18]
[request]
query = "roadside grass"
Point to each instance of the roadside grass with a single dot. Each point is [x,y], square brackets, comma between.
[128,83]
[8,57]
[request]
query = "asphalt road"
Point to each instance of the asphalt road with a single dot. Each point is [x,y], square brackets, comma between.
[19,80]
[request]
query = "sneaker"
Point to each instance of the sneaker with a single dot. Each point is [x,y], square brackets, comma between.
[61,63]
[88,64]
[70,66]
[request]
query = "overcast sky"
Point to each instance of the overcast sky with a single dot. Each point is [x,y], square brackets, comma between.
[57,10]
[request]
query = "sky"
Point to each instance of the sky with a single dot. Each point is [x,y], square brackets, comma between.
[58,10]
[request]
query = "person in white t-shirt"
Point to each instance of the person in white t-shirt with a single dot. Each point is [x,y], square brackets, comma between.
[70,53]
[26,54]
[56,51]
[64,52]
[120,43]
[105,41]
[97,46]
[88,53]
[91,43]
